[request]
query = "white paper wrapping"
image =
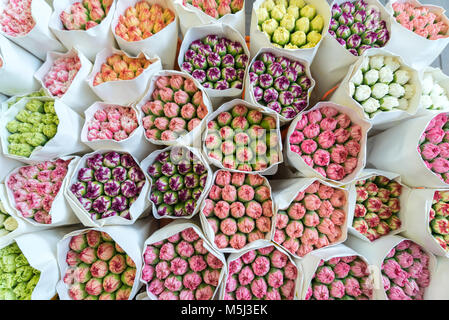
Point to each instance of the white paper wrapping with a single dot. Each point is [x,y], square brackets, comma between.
[295,160]
[439,283]
[40,39]
[260,40]
[65,142]
[191,138]
[385,119]
[12,100]
[16,74]
[148,161]
[271,170]
[376,252]
[263,244]
[91,41]
[189,17]
[403,199]
[311,262]
[209,232]
[174,228]
[78,96]
[162,44]
[395,150]
[285,191]
[135,210]
[417,51]
[217,97]
[129,238]
[122,91]
[332,60]
[61,214]
[249,93]
[134,144]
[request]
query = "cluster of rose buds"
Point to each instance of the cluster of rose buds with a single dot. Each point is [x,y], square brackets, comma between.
[328,141]
[176,107]
[434,146]
[217,63]
[405,272]
[341,278]
[121,67]
[181,268]
[32,127]
[434,95]
[98,268]
[264,273]
[420,20]
[61,74]
[243,139]
[313,220]
[142,21]
[377,208]
[7,222]
[438,218]
[16,19]
[18,277]
[112,123]
[108,185]
[85,15]
[217,8]
[239,209]
[280,84]
[35,187]
[178,179]
[380,85]
[290,24]
[358,27]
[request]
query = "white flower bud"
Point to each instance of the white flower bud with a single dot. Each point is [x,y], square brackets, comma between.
[376,62]
[362,93]
[380,90]
[371,77]
[401,76]
[385,75]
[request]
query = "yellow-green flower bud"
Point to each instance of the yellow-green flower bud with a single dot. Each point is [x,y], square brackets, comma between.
[269,26]
[298,38]
[294,11]
[308,11]
[262,15]
[281,36]
[314,37]
[278,12]
[302,24]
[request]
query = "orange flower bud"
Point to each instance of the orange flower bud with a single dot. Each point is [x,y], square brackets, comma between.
[127,59]
[126,75]
[114,58]
[144,15]
[142,5]
[105,67]
[158,26]
[98,79]
[146,26]
[109,76]
[131,21]
[120,29]
[134,65]
[168,16]
[130,11]
[97,14]
[107,4]
[156,9]
[119,66]
[139,72]
[146,34]
[146,64]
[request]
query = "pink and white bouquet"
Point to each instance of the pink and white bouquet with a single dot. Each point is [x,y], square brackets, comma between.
[217,8]
[238,210]
[329,140]
[173,107]
[438,218]
[179,264]
[85,14]
[264,273]
[16,19]
[33,189]
[315,218]
[61,74]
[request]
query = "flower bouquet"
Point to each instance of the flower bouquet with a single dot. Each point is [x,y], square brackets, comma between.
[217,56]
[119,78]
[107,188]
[140,25]
[337,273]
[36,192]
[264,271]
[420,157]
[179,178]
[298,26]
[63,76]
[39,129]
[328,142]
[435,90]
[238,211]
[244,138]
[279,82]
[8,103]
[193,13]
[101,263]
[180,264]
[405,267]
[16,69]
[419,32]
[25,22]
[84,24]
[382,88]
[311,215]
[380,202]
[174,108]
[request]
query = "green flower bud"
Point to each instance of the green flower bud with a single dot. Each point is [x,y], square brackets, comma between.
[7,294]
[35,106]
[283,3]
[20,149]
[7,280]
[302,24]
[49,107]
[308,11]
[281,36]
[262,15]
[39,127]
[8,263]
[13,126]
[24,273]
[49,130]
[268,4]
[317,23]
[23,115]
[290,46]
[294,11]
[278,12]
[21,261]
[37,139]
[47,118]
[269,26]
[308,45]
[314,37]
[35,118]
[25,127]
[288,22]
[297,3]
[298,38]
[15,138]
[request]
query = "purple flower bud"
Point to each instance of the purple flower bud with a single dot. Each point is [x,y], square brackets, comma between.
[228,61]
[170,197]
[101,204]
[156,197]
[119,203]
[220,48]
[347,7]
[258,93]
[372,24]
[85,203]
[304,82]
[127,161]
[285,62]
[291,74]
[296,90]
[176,182]
[270,95]
[358,28]
[333,24]
[332,33]
[79,189]
[241,61]
[85,174]
[205,50]
[195,45]
[119,174]
[382,37]
[190,206]
[109,213]
[187,67]
[281,83]
[94,189]
[213,74]
[208,85]
[184,166]
[229,74]
[179,211]
[203,179]
[354,52]
[189,55]
[299,104]
[360,16]
[191,180]
[373,12]
[275,106]
[140,186]
[383,25]
[288,112]
[111,159]
[163,157]
[346,19]
[336,11]
[196,194]
[275,69]
[136,174]
[95,161]
[343,32]
[241,74]
[111,188]
[253,78]
[286,98]
[199,62]
[360,5]
[211,39]
[199,75]
[363,48]
[267,58]
[369,37]
[354,41]
[258,67]
[199,168]
[265,80]
[128,188]
[221,85]
[168,169]
[184,194]
[214,60]
[103,174]
[341,41]
[299,67]
[125,214]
